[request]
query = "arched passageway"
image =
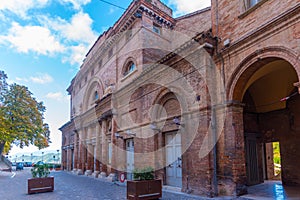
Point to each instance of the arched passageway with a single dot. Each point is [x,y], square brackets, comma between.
[271,119]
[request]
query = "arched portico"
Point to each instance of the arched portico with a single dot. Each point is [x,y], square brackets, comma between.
[252,63]
[265,85]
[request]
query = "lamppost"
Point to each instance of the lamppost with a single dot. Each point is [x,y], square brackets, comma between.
[31,157]
[42,156]
[23,158]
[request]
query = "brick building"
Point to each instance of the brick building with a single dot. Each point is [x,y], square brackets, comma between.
[200,98]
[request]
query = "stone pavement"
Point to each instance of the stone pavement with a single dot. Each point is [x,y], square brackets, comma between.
[68,186]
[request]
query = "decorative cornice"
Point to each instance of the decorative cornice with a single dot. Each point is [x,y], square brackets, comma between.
[103,107]
[105,115]
[158,17]
[66,125]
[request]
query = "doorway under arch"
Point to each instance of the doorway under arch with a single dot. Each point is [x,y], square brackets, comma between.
[271,121]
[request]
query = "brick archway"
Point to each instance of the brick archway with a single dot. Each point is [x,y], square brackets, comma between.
[267,120]
[252,63]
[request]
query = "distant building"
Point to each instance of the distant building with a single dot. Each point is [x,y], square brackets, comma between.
[161,91]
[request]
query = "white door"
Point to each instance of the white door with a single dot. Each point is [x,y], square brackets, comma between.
[173,159]
[130,158]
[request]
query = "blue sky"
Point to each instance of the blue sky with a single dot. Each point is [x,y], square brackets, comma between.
[43,43]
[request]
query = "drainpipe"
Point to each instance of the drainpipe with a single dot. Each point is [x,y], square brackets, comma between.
[214,121]
[214,138]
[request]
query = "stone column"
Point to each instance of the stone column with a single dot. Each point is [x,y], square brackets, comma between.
[68,152]
[76,149]
[113,172]
[104,147]
[89,166]
[114,154]
[81,167]
[96,161]
[98,148]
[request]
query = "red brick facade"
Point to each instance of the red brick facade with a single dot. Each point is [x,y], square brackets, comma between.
[213,81]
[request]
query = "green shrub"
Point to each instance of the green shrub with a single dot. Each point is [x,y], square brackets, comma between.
[40,171]
[146,173]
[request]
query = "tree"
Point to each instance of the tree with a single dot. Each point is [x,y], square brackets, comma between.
[21,117]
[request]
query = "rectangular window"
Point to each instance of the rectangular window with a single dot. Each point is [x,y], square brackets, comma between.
[251,3]
[157,29]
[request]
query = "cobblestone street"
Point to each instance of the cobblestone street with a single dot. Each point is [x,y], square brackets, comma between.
[69,186]
[13,185]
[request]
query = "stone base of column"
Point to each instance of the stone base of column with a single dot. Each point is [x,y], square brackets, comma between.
[79,172]
[74,171]
[102,175]
[88,172]
[95,174]
[112,177]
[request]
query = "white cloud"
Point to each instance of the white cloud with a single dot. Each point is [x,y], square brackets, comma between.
[20,8]
[42,79]
[77,35]
[39,78]
[71,38]
[32,38]
[77,54]
[78,29]
[18,79]
[184,6]
[76,3]
[58,96]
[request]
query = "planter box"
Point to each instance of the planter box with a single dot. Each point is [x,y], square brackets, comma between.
[36,185]
[148,189]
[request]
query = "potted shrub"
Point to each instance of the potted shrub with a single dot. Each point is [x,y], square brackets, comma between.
[40,182]
[144,186]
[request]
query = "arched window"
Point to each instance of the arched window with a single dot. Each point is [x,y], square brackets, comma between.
[130,67]
[96,95]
